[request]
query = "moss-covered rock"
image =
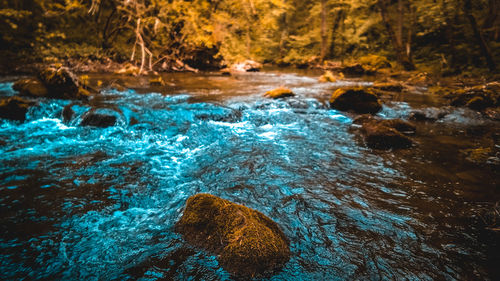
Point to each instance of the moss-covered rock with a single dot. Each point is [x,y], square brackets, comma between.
[375,61]
[156,81]
[61,83]
[31,87]
[477,98]
[246,241]
[357,99]
[15,108]
[327,77]
[279,93]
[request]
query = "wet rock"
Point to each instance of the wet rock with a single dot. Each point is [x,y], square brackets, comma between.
[357,99]
[247,66]
[375,61]
[279,93]
[427,115]
[385,133]
[31,87]
[15,108]
[247,242]
[378,136]
[156,81]
[61,83]
[98,120]
[68,113]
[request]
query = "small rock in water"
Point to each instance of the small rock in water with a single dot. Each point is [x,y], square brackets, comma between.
[357,99]
[279,93]
[247,243]
[98,120]
[60,82]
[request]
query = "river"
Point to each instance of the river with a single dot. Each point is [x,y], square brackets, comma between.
[84,203]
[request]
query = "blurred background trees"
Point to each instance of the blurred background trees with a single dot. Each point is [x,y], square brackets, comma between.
[449,36]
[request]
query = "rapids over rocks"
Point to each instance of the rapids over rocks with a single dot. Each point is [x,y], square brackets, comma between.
[100,203]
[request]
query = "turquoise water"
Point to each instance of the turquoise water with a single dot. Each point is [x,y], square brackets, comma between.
[84,203]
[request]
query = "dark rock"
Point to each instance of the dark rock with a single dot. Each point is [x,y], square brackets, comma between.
[359,100]
[98,120]
[15,108]
[68,113]
[30,87]
[427,115]
[389,86]
[247,242]
[385,134]
[60,82]
[378,136]
[357,70]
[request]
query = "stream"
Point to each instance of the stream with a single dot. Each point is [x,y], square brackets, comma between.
[86,203]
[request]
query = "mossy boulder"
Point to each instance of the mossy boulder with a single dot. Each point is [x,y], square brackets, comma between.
[375,61]
[61,83]
[247,242]
[358,99]
[15,108]
[477,98]
[279,93]
[31,87]
[385,133]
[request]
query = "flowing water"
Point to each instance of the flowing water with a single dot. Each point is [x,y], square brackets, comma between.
[84,203]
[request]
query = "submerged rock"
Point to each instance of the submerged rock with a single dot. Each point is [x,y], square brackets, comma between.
[279,93]
[31,87]
[246,241]
[387,133]
[389,86]
[14,108]
[427,115]
[357,99]
[98,120]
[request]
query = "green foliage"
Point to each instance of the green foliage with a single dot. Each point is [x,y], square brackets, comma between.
[438,33]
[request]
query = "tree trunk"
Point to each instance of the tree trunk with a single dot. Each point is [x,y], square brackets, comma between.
[324,35]
[479,37]
[401,54]
[335,27]
[399,34]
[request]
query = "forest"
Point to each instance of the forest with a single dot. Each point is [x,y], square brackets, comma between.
[440,36]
